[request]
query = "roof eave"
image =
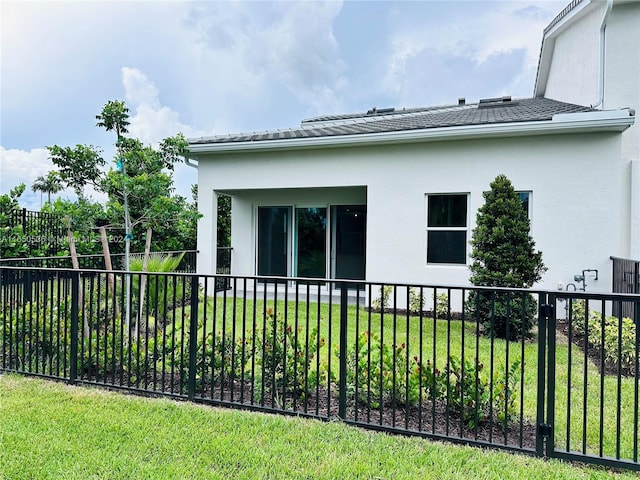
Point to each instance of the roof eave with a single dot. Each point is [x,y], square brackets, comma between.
[598,121]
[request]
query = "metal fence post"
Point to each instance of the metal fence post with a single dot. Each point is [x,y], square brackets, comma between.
[549,312]
[342,384]
[193,337]
[27,290]
[73,355]
[541,432]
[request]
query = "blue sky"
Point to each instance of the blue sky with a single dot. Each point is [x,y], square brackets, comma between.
[205,68]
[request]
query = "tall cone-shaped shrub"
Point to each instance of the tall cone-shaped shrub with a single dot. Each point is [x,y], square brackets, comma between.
[503,255]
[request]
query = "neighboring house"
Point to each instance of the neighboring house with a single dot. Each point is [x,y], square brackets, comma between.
[391,194]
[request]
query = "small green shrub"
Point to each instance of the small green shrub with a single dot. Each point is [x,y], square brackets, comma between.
[508,315]
[284,363]
[474,397]
[223,359]
[382,302]
[379,374]
[31,335]
[442,305]
[416,300]
[373,375]
[590,325]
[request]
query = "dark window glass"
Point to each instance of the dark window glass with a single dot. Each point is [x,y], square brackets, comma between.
[524,198]
[272,241]
[447,211]
[447,246]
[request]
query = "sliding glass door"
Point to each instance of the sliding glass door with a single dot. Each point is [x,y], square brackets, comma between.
[348,240]
[312,242]
[273,241]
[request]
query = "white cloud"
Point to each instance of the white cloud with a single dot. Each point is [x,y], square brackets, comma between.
[478,36]
[150,122]
[247,59]
[22,166]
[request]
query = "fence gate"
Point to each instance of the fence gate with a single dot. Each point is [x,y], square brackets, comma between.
[626,279]
[591,400]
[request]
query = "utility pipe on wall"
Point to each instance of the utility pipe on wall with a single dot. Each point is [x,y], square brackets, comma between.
[601,66]
[191,163]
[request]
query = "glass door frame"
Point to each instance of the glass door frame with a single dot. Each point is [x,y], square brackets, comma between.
[292,236]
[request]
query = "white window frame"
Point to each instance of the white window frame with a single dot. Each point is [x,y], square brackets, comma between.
[447,229]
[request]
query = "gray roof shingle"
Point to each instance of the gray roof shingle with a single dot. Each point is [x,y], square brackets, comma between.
[497,111]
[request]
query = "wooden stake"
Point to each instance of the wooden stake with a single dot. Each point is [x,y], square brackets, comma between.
[109,267]
[76,266]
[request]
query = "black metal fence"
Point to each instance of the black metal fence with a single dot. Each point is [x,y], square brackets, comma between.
[97,262]
[41,231]
[424,360]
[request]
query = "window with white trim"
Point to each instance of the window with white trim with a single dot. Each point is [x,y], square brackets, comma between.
[525,198]
[447,221]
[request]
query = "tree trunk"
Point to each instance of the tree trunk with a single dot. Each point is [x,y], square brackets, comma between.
[143,277]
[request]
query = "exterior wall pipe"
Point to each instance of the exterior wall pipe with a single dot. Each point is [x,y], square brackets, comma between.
[601,66]
[191,163]
[634,220]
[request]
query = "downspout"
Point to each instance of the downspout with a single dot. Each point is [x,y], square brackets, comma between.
[601,68]
[191,163]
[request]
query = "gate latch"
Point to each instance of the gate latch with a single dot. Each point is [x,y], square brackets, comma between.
[544,429]
[546,310]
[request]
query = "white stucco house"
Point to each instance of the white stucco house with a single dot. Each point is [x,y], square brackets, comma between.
[391,195]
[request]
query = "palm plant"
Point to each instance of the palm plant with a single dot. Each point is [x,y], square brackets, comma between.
[52,183]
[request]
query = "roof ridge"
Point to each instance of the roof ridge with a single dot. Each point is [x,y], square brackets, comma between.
[565,11]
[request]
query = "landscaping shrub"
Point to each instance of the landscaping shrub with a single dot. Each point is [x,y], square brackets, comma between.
[35,337]
[382,302]
[284,362]
[503,255]
[475,398]
[161,291]
[508,315]
[416,300]
[222,359]
[442,305]
[376,379]
[590,325]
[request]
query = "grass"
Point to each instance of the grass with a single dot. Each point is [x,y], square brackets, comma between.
[448,341]
[54,431]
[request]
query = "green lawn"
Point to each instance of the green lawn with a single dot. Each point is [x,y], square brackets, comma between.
[54,431]
[414,331]
[419,334]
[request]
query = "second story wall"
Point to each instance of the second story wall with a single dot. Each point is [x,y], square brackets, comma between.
[573,72]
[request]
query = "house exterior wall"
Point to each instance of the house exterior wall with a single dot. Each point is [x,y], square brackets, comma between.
[579,184]
[573,77]
[573,73]
[622,74]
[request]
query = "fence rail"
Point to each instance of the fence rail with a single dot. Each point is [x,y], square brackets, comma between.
[423,360]
[97,262]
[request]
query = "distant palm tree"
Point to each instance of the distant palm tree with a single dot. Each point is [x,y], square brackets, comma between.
[52,183]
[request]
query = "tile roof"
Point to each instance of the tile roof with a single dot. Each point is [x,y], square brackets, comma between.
[387,120]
